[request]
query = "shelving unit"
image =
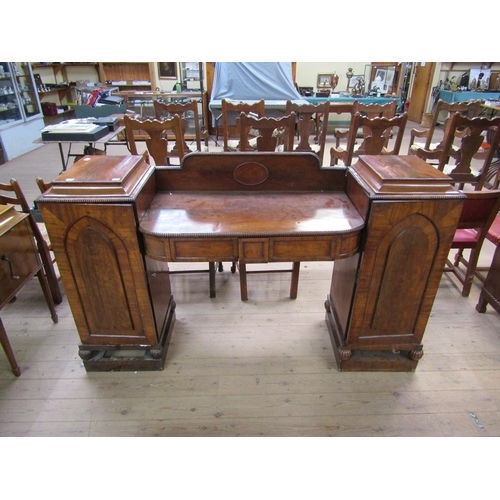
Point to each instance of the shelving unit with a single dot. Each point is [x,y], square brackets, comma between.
[53,82]
[127,75]
[20,116]
[191,75]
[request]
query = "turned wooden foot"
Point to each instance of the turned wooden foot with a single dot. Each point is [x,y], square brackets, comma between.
[416,354]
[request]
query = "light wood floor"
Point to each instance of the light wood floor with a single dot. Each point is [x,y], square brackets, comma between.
[261,368]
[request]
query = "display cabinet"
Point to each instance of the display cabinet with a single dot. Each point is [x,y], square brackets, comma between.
[20,116]
[18,97]
[191,75]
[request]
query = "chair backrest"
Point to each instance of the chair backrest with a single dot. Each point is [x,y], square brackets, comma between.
[12,194]
[165,110]
[42,185]
[272,132]
[468,108]
[478,142]
[235,108]
[312,126]
[374,110]
[376,135]
[157,132]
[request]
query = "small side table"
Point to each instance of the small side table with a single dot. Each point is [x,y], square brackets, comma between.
[19,262]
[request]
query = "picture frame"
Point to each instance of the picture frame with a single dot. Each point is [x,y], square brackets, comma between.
[379,79]
[323,81]
[389,81]
[354,81]
[383,78]
[167,71]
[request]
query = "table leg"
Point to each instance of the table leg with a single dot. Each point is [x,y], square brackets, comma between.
[211,271]
[294,286]
[61,154]
[243,281]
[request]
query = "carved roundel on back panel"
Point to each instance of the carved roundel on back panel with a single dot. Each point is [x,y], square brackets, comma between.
[251,174]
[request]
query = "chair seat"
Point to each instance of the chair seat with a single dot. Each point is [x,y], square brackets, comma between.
[465,238]
[432,146]
[233,144]
[193,148]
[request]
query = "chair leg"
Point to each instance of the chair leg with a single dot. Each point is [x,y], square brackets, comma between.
[47,294]
[458,256]
[470,271]
[295,280]
[50,273]
[4,340]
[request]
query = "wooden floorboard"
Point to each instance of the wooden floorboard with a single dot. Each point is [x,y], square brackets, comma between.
[260,368]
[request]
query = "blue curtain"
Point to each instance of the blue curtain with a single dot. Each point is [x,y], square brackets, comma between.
[254,81]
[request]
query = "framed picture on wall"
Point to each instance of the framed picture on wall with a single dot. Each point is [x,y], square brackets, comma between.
[323,81]
[167,70]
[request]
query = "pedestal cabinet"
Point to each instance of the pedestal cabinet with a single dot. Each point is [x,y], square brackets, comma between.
[380,300]
[120,299]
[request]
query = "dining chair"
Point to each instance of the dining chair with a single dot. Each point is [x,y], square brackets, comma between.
[164,138]
[342,136]
[344,111]
[312,126]
[272,134]
[231,110]
[478,213]
[493,236]
[443,111]
[378,138]
[469,147]
[13,194]
[189,112]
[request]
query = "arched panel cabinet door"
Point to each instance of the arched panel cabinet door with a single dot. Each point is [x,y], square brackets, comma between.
[101,265]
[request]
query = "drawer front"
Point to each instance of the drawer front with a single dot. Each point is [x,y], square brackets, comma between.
[18,259]
[311,248]
[203,249]
[254,250]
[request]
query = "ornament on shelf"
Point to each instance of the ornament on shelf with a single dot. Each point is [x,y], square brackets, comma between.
[334,80]
[349,75]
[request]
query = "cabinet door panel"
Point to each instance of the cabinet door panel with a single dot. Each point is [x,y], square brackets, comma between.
[103,272]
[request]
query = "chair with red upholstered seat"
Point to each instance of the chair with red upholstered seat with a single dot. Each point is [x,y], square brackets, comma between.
[478,213]
[493,236]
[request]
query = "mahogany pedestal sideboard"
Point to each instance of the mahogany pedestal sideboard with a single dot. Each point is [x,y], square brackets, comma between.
[490,292]
[19,262]
[116,222]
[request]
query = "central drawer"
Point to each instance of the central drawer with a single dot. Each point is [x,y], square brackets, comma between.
[191,249]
